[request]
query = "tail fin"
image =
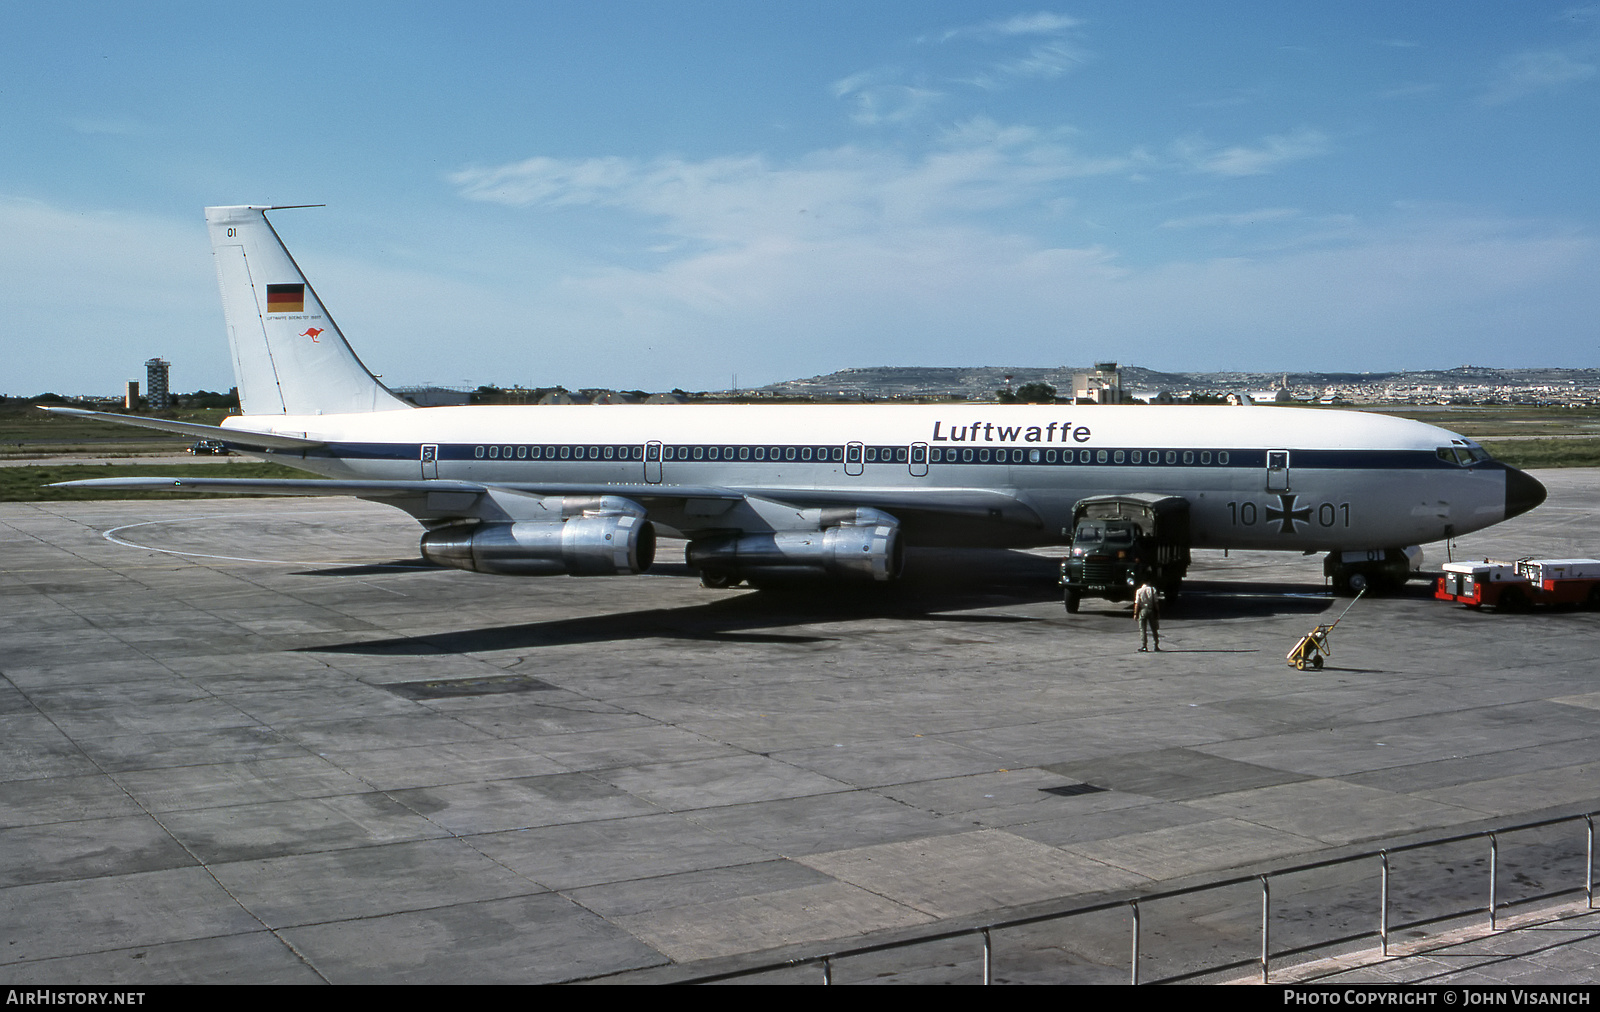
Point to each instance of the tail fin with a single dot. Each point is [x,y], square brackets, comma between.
[288,355]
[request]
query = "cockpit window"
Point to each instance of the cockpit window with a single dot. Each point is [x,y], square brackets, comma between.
[1462,454]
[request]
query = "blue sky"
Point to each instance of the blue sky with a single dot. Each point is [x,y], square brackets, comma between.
[663,195]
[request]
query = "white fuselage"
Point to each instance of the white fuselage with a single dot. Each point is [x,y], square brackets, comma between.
[1255,477]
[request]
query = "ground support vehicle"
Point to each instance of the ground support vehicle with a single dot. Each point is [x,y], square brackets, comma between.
[1121,541]
[1514,586]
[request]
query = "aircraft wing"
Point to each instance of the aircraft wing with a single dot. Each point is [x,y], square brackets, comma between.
[238,437]
[279,486]
[956,504]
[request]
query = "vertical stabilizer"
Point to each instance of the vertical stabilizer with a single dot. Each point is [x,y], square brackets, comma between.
[288,355]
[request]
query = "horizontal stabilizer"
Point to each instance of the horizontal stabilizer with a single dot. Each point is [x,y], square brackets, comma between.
[238,437]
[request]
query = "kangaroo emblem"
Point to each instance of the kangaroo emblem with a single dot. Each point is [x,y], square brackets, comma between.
[312,333]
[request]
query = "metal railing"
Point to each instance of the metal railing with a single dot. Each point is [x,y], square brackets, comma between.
[826,961]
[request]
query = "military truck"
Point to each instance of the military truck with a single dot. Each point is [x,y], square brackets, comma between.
[1121,541]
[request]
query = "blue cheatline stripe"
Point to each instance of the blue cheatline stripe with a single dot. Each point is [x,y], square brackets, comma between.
[898,456]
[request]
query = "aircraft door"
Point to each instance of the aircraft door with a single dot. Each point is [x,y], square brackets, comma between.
[430,460]
[652,462]
[919,460]
[853,456]
[1277,470]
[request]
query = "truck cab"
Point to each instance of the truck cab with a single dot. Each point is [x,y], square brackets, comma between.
[1121,541]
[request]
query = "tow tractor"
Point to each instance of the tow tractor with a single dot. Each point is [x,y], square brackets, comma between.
[1515,586]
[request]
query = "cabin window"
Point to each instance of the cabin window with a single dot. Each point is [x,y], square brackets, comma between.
[1117,457]
[1100,457]
[609,452]
[744,453]
[966,456]
[872,454]
[477,451]
[1205,456]
[1049,456]
[1033,456]
[699,452]
[1172,456]
[1222,457]
[983,455]
[549,453]
[566,451]
[494,452]
[1188,456]
[788,453]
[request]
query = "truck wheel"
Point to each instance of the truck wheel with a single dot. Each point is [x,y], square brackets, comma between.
[1072,602]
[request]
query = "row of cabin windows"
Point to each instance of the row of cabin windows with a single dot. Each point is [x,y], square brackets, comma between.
[559,452]
[968,455]
[871,454]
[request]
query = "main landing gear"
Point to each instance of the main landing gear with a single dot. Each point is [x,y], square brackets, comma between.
[1376,571]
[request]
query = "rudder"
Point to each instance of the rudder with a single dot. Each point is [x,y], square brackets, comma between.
[289,357]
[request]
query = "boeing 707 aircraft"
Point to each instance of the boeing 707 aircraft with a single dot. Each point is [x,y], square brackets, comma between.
[764,492]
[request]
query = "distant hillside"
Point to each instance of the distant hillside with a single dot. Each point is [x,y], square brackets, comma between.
[980,382]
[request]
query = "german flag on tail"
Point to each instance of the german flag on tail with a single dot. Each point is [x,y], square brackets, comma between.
[286,298]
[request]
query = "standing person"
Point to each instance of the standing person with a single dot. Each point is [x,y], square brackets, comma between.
[1147,612]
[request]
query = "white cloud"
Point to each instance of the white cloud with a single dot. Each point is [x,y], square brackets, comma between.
[878,101]
[1269,154]
[1041,23]
[1530,73]
[980,166]
[850,257]
[1240,219]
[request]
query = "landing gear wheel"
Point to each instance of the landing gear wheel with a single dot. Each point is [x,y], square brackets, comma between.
[1071,597]
[716,579]
[1357,582]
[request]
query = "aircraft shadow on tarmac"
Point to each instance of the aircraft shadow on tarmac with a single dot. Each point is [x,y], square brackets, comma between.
[938,586]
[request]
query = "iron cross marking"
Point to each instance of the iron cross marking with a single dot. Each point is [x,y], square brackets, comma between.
[1288,514]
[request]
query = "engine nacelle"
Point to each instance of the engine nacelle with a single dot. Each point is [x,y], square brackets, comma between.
[605,545]
[859,553]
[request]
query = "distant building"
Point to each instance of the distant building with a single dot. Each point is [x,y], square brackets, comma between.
[1103,386]
[155,384]
[434,396]
[130,399]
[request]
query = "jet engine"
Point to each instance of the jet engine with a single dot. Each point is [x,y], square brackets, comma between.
[607,539]
[867,552]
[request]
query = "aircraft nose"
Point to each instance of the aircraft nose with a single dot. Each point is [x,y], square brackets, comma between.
[1523,493]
